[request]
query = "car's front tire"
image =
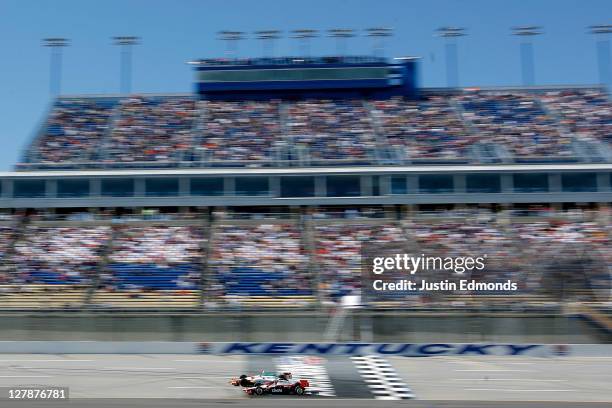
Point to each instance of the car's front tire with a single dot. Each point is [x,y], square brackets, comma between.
[298,390]
[259,391]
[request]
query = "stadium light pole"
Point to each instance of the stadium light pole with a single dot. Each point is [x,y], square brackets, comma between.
[378,36]
[55,67]
[304,36]
[526,34]
[341,35]
[125,64]
[450,36]
[602,35]
[268,37]
[231,39]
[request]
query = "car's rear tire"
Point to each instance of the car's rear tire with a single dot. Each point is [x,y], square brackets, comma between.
[298,390]
[259,391]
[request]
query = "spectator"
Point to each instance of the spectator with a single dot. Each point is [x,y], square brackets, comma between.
[332,130]
[152,129]
[241,131]
[424,129]
[519,122]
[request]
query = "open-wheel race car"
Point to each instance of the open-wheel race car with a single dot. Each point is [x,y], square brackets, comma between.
[253,380]
[279,386]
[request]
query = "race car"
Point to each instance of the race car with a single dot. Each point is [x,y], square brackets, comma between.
[253,380]
[279,386]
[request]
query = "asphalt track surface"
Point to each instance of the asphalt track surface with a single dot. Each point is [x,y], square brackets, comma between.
[269,403]
[98,381]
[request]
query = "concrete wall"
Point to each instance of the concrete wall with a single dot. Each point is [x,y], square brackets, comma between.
[298,328]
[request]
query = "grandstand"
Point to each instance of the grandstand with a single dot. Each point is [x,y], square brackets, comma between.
[283,260]
[561,125]
[249,194]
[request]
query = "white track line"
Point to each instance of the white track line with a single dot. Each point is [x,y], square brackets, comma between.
[496,370]
[140,368]
[26,376]
[45,361]
[514,390]
[508,379]
[210,377]
[209,361]
[34,368]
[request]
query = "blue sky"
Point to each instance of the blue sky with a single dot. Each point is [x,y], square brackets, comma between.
[174,31]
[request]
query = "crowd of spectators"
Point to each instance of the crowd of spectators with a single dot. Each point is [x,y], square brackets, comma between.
[558,236]
[523,251]
[460,237]
[271,259]
[560,232]
[158,245]
[244,256]
[165,128]
[475,236]
[586,113]
[424,129]
[153,258]
[6,235]
[517,121]
[152,129]
[338,252]
[56,255]
[332,130]
[567,251]
[74,130]
[241,131]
